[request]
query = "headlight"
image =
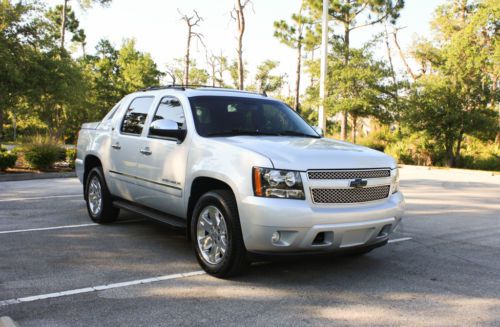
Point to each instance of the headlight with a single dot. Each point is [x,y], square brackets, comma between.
[272,183]
[395,180]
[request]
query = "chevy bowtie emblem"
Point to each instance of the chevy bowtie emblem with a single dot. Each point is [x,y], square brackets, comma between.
[358,182]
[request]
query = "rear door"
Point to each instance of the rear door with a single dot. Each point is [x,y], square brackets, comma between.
[125,147]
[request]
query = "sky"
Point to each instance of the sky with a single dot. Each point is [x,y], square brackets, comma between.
[157,28]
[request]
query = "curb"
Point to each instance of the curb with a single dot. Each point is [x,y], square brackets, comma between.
[7,322]
[28,176]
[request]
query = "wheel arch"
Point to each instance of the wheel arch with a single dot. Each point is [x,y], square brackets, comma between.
[199,186]
[91,161]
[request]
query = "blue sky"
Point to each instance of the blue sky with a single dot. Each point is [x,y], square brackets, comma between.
[156,26]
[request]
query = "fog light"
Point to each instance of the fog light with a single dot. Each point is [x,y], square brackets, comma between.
[275,237]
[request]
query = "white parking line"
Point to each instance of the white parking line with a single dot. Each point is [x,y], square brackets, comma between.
[42,197]
[100,288]
[65,226]
[396,240]
[46,228]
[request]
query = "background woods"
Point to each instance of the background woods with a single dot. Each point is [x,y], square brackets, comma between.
[442,110]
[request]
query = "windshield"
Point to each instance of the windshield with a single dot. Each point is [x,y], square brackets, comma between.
[231,116]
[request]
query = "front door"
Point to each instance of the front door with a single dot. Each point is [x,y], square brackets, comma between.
[161,164]
[125,147]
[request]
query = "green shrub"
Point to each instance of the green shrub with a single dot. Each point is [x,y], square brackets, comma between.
[416,149]
[479,155]
[7,159]
[43,156]
[379,140]
[70,157]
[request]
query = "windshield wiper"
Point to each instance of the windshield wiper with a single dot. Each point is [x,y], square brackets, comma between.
[235,132]
[295,133]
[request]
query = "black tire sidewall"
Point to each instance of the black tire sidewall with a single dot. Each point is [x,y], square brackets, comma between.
[218,199]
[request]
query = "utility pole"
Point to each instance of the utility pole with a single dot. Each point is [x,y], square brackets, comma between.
[324,54]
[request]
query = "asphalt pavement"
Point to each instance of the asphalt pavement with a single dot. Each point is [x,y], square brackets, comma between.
[442,267]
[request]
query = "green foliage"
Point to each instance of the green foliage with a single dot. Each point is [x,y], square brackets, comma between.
[456,93]
[71,157]
[379,140]
[265,81]
[42,156]
[7,159]
[477,154]
[415,149]
[197,76]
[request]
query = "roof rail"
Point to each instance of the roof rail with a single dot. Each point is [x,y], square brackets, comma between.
[183,87]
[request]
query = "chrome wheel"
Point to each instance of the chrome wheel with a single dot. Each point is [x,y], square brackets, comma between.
[211,235]
[95,196]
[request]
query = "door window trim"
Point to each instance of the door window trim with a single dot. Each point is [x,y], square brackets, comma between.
[154,113]
[145,121]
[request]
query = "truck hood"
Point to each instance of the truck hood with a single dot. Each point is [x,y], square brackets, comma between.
[298,153]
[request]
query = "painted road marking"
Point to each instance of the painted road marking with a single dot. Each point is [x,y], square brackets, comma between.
[64,227]
[396,240]
[100,288]
[45,228]
[122,284]
[42,197]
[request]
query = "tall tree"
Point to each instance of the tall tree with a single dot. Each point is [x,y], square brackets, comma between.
[137,70]
[455,93]
[197,76]
[72,25]
[85,4]
[292,35]
[238,14]
[355,14]
[191,22]
[265,80]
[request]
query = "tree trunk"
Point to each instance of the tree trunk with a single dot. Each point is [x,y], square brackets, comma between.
[63,21]
[459,146]
[354,127]
[343,125]
[1,126]
[451,156]
[213,75]
[389,55]
[297,77]
[401,54]
[186,57]
[240,16]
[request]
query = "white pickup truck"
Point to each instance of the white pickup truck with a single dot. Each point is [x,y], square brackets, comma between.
[243,173]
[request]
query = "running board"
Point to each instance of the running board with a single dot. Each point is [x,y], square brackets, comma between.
[152,214]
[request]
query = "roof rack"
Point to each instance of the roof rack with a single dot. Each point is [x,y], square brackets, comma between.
[183,87]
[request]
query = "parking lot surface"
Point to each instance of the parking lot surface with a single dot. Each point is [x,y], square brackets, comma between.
[442,267]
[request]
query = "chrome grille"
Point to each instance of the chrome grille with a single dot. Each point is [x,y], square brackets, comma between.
[350,195]
[349,174]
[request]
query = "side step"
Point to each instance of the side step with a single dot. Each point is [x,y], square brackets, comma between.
[151,213]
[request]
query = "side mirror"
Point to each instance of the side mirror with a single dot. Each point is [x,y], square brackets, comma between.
[167,128]
[319,130]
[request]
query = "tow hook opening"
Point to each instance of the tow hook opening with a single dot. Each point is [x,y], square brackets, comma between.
[323,238]
[385,231]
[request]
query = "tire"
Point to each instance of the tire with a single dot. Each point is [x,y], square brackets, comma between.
[219,208]
[99,200]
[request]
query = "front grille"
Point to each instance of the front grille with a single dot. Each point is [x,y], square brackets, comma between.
[350,195]
[349,174]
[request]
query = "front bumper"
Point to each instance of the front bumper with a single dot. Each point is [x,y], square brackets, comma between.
[306,228]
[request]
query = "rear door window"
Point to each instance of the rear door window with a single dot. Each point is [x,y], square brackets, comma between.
[135,116]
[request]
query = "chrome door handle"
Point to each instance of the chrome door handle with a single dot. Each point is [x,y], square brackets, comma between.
[146,151]
[116,146]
